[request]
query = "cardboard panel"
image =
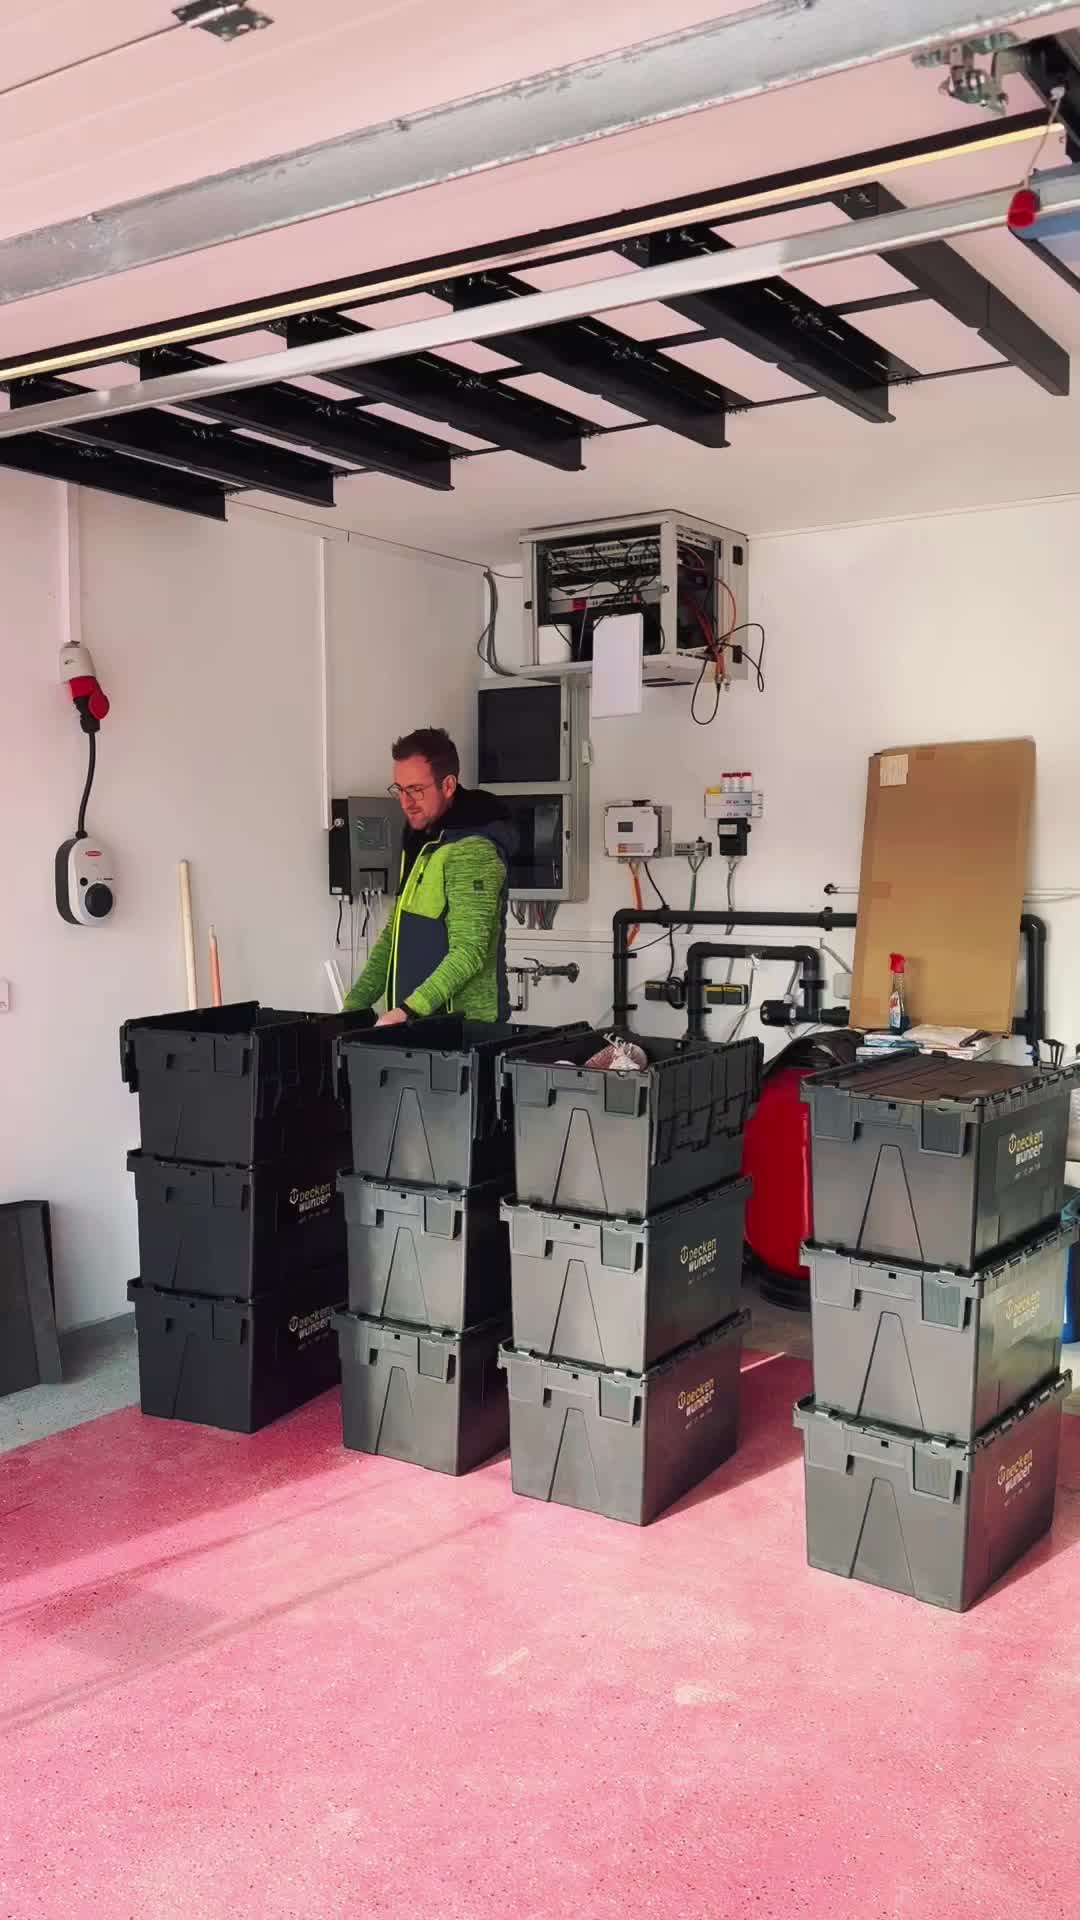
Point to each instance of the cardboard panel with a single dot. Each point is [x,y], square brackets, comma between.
[945,848]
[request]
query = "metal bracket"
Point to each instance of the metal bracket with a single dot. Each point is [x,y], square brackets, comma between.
[225,19]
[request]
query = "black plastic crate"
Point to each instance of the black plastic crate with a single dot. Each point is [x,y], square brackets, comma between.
[430,1256]
[939,1520]
[625,1145]
[624,1444]
[435,1399]
[933,1350]
[427,1101]
[936,1161]
[236,1364]
[233,1085]
[621,1293]
[29,1349]
[233,1232]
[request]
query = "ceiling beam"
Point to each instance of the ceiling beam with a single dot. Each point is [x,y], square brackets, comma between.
[206,453]
[748,53]
[598,359]
[335,427]
[941,274]
[780,324]
[884,234]
[106,471]
[436,389]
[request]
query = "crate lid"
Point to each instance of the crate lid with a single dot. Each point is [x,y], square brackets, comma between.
[735,1323]
[961,1453]
[920,1078]
[985,1277]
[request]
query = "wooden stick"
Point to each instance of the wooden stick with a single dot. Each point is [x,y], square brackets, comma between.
[215,971]
[188,926]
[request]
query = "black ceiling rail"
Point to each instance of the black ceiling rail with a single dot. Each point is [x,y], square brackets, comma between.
[533,247]
[110,472]
[942,275]
[439,390]
[599,359]
[209,453]
[338,428]
[777,322]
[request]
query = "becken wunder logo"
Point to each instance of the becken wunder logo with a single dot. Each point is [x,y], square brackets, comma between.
[697,1399]
[306,1325]
[1026,1147]
[1011,1477]
[1021,1311]
[695,1258]
[311,1199]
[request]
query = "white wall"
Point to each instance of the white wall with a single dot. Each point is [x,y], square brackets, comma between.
[207,639]
[950,628]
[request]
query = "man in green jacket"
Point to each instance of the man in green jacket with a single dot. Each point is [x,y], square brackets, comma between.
[443,950]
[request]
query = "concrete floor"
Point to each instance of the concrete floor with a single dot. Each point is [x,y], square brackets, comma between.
[265,1676]
[101,1375]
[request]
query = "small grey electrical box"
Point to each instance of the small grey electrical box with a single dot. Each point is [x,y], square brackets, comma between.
[364,846]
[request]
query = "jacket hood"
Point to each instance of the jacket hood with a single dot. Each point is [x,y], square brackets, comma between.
[473,813]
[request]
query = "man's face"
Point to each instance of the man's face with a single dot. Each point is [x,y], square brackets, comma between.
[424,799]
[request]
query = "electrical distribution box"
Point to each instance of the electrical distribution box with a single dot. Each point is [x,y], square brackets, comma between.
[734,798]
[637,830]
[364,846]
[532,752]
[688,579]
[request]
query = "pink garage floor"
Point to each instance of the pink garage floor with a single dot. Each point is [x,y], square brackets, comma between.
[266,1680]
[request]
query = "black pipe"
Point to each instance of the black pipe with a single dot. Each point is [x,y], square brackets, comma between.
[1033,1025]
[810,980]
[627,917]
[1034,1020]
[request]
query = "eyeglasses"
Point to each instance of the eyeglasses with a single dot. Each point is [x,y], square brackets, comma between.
[410,793]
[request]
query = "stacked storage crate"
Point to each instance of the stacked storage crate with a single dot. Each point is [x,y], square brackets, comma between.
[429,1275]
[937,1286]
[241,1226]
[626,1239]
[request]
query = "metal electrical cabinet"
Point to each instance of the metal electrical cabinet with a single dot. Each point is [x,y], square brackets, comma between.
[532,752]
[364,846]
[687,578]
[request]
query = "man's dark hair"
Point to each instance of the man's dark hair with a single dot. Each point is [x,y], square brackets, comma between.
[432,744]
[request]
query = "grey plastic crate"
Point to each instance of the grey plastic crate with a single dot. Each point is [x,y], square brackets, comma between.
[625,1445]
[626,1145]
[435,1399]
[234,1232]
[621,1293]
[939,1520]
[427,1101]
[936,1161]
[236,1364]
[435,1258]
[933,1350]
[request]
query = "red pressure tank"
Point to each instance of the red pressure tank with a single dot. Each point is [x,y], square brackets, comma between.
[776,1155]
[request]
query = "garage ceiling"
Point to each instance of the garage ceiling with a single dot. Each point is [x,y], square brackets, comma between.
[802,402]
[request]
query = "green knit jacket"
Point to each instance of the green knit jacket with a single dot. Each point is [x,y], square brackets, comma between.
[443,948]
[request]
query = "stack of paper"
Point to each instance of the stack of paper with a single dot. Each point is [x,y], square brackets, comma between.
[959,1043]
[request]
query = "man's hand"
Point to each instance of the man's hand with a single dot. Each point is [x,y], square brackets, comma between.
[395,1018]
